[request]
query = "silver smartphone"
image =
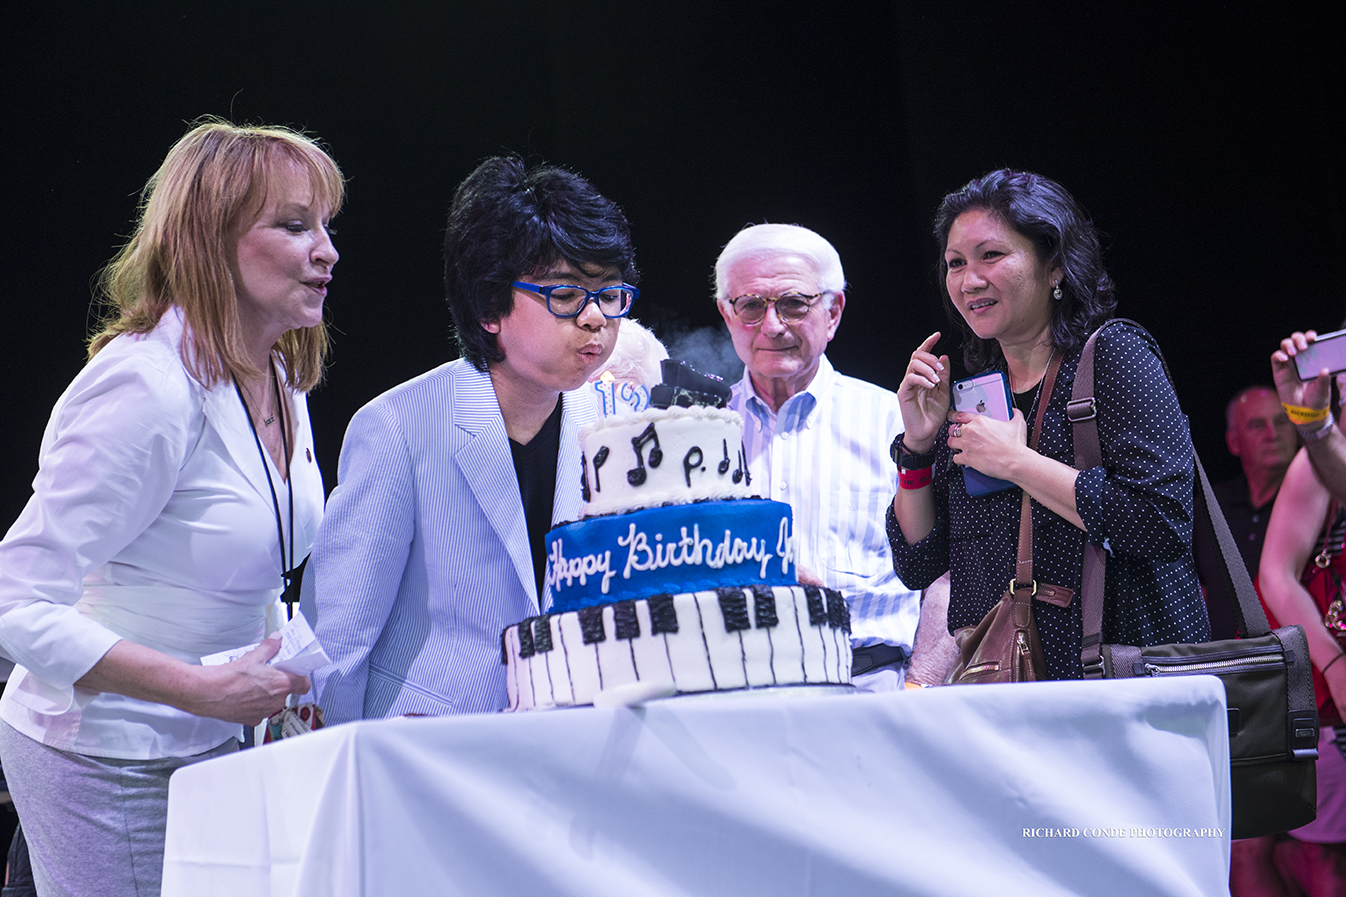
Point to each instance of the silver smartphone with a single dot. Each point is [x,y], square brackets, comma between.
[986,393]
[1327,351]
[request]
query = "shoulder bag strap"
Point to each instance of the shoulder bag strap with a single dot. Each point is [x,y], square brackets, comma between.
[1231,581]
[1023,569]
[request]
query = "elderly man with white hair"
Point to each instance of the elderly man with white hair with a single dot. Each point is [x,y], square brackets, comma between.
[818,440]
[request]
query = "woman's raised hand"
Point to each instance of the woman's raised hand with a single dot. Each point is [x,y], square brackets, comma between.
[924,395]
[1315,393]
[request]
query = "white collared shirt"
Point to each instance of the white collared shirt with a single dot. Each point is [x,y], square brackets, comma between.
[826,454]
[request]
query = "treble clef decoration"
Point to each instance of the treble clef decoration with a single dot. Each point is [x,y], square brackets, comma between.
[636,475]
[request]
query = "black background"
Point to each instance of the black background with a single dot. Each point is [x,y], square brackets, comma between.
[1198,136]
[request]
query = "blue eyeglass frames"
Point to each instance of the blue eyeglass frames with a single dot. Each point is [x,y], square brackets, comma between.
[567,300]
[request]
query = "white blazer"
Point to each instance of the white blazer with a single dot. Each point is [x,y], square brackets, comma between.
[151,521]
[423,557]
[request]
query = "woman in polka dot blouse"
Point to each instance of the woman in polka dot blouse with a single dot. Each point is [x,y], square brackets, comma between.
[1024,273]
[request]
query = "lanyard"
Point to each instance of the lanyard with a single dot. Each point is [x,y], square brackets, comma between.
[288,574]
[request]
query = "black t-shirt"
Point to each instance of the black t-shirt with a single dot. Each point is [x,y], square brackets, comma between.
[535,466]
[1248,524]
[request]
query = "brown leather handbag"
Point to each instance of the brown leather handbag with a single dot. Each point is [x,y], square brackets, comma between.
[1004,646]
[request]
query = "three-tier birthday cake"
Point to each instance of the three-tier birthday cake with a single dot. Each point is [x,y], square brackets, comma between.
[675,577]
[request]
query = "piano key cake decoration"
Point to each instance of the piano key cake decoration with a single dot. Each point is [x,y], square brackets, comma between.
[674,575]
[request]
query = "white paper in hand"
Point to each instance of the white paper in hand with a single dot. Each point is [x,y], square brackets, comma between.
[299,652]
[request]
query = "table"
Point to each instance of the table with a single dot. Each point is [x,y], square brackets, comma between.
[1115,787]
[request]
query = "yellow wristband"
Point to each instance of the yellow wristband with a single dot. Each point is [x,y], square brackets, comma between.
[1300,416]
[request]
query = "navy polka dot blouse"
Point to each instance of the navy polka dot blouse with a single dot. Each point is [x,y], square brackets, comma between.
[1138,506]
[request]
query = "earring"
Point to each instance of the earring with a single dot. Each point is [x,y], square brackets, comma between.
[1056,292]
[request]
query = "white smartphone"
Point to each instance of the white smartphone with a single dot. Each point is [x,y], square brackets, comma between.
[1327,351]
[986,393]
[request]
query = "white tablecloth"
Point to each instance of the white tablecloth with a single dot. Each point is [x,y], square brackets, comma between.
[1063,788]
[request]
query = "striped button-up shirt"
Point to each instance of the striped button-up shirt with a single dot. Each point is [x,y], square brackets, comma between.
[826,455]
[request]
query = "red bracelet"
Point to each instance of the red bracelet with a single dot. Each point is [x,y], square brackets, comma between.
[914,479]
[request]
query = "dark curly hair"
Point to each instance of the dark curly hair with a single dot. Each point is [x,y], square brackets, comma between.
[506,222]
[1041,210]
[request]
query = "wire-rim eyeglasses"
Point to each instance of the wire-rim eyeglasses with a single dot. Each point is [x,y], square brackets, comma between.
[791,308]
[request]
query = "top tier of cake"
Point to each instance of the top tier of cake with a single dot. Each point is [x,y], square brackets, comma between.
[662,457]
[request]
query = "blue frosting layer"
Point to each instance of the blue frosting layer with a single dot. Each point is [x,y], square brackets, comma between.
[683,548]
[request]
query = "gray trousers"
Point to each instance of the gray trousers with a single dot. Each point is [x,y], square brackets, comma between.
[94,825]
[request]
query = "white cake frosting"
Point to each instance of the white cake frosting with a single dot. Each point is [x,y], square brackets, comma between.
[663,456]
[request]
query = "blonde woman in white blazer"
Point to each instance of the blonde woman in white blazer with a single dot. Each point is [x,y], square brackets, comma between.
[176,488]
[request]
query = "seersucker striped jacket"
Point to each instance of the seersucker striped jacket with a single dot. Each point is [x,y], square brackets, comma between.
[423,558]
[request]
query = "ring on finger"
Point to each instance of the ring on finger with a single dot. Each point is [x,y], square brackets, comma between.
[957,429]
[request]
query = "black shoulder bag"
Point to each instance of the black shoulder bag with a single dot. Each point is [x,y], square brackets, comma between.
[1273,717]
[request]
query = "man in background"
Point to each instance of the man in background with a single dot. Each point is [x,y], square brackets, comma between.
[1260,435]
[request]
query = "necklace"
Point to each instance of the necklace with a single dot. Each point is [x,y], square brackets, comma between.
[1023,389]
[1031,395]
[265,422]
[290,594]
[1025,401]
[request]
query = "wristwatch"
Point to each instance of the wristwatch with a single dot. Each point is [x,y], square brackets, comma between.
[1315,431]
[906,459]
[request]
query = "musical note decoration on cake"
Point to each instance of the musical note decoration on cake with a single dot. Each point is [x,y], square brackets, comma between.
[636,475]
